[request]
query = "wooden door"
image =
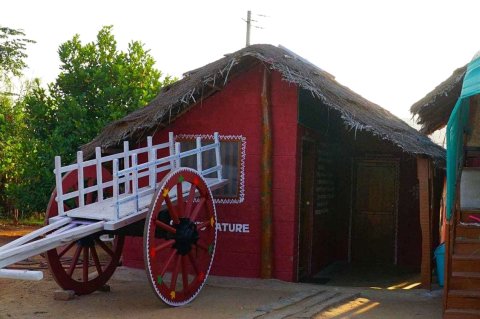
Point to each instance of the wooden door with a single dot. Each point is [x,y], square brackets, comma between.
[374,212]
[306,206]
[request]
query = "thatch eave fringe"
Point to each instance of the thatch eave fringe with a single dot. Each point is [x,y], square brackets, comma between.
[433,110]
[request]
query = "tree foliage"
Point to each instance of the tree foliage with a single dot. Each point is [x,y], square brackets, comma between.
[98,83]
[12,126]
[12,51]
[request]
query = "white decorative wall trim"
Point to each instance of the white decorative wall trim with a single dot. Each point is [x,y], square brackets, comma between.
[243,140]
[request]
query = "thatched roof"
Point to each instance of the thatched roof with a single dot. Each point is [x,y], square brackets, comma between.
[356,112]
[434,109]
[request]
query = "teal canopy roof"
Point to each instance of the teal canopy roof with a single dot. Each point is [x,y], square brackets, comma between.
[456,127]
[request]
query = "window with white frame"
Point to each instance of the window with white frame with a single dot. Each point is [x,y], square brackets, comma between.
[232,151]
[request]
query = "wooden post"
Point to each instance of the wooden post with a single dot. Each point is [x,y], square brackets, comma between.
[249,25]
[98,157]
[449,234]
[425,220]
[58,181]
[135,180]
[171,148]
[218,161]
[151,158]
[177,152]
[126,164]
[199,155]
[81,199]
[115,187]
[266,180]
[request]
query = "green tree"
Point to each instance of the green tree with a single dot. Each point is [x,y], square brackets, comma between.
[14,149]
[97,84]
[12,126]
[12,50]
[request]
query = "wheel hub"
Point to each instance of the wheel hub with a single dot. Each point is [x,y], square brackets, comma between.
[186,235]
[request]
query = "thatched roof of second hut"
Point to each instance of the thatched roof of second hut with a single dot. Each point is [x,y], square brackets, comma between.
[434,109]
[357,112]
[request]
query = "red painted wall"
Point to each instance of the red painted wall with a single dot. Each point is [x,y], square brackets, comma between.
[236,111]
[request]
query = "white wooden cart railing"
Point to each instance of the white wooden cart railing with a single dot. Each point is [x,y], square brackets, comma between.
[119,202]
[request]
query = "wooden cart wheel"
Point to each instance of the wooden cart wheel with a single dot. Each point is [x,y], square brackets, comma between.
[87,264]
[180,237]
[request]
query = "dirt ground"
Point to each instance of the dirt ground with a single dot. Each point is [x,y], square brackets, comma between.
[128,299]
[9,232]
[388,304]
[131,297]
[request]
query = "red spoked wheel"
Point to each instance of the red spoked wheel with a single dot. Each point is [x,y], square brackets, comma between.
[180,237]
[85,265]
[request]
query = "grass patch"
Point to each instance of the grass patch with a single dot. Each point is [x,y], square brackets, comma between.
[33,220]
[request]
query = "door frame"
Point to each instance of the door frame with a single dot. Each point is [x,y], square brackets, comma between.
[353,183]
[299,225]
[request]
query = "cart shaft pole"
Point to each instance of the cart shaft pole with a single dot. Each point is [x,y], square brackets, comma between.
[21,274]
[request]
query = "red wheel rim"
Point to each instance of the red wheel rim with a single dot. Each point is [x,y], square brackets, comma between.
[86,265]
[180,239]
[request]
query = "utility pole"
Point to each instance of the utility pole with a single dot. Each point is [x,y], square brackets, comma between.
[249,23]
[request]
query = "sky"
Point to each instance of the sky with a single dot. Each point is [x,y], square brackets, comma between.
[391,52]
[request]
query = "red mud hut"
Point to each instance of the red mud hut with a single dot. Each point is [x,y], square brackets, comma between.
[318,174]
